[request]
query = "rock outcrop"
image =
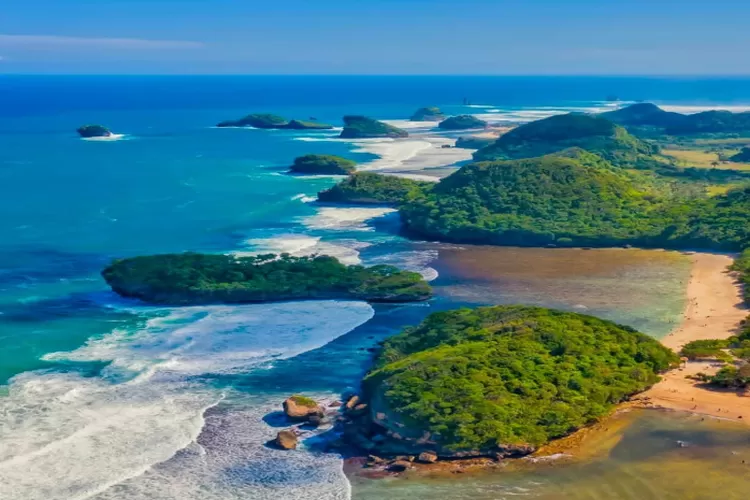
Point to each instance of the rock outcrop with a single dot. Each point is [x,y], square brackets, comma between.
[322,165]
[429,114]
[302,408]
[89,131]
[462,122]
[286,439]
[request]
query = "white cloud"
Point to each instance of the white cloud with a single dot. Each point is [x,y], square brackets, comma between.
[60,42]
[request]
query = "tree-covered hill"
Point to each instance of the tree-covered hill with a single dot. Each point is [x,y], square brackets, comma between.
[372,188]
[645,116]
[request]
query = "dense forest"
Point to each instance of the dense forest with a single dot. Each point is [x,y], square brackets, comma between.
[477,379]
[646,117]
[192,278]
[573,199]
[372,188]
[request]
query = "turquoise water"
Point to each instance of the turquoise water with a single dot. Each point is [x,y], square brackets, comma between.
[106,398]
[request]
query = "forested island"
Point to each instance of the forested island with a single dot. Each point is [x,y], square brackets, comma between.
[429,114]
[499,381]
[322,165]
[462,122]
[192,279]
[362,127]
[271,121]
[370,188]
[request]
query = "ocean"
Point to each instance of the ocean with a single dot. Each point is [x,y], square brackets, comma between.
[105,398]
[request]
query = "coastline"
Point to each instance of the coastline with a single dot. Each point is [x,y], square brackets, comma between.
[714,310]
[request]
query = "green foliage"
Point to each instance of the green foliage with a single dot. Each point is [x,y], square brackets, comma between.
[93,131]
[429,114]
[473,142]
[573,198]
[704,349]
[304,401]
[732,376]
[192,278]
[372,188]
[573,130]
[742,267]
[269,121]
[307,125]
[358,127]
[462,122]
[479,378]
[322,165]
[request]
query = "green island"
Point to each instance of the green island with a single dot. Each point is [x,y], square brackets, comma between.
[270,121]
[500,381]
[649,118]
[192,279]
[362,127]
[89,131]
[322,165]
[557,133]
[373,189]
[575,198]
[462,122]
[429,114]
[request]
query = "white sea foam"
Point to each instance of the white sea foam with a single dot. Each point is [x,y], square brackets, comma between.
[410,125]
[304,198]
[108,138]
[413,260]
[68,437]
[300,245]
[349,218]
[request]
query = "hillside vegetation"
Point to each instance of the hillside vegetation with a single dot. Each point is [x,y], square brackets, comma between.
[372,188]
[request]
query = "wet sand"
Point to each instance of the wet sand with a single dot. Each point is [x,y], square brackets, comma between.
[714,310]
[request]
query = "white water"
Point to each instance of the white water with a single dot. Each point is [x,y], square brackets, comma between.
[345,218]
[299,245]
[68,437]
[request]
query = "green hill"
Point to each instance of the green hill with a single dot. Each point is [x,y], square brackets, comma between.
[557,133]
[462,122]
[644,116]
[191,278]
[504,379]
[430,114]
[572,199]
[360,127]
[270,121]
[372,188]
[322,165]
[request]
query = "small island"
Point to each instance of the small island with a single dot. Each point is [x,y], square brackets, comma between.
[369,188]
[429,114]
[194,279]
[362,127]
[273,122]
[322,165]
[462,122]
[474,142]
[643,117]
[498,381]
[90,131]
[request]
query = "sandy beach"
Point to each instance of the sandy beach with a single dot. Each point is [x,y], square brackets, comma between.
[714,310]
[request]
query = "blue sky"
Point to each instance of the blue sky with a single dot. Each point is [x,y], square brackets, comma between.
[376,37]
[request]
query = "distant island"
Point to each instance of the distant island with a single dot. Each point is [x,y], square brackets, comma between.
[462,122]
[429,114]
[645,117]
[370,188]
[362,127]
[498,381]
[193,279]
[90,131]
[556,133]
[322,165]
[474,142]
[270,121]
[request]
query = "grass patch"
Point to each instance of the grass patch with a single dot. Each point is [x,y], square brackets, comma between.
[704,159]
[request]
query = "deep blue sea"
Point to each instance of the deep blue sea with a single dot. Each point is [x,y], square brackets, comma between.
[111,399]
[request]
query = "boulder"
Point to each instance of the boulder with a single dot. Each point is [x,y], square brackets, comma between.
[399,466]
[88,131]
[427,457]
[302,408]
[286,439]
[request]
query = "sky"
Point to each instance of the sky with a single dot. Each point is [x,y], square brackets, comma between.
[527,37]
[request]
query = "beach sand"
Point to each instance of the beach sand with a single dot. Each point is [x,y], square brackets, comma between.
[714,310]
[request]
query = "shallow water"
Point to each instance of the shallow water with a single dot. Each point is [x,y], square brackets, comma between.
[636,458]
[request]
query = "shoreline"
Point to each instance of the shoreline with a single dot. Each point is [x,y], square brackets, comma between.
[714,309]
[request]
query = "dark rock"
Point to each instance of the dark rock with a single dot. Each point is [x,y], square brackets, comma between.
[399,466]
[88,131]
